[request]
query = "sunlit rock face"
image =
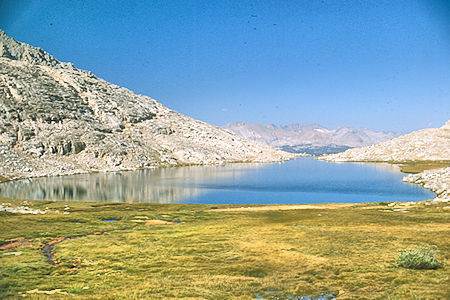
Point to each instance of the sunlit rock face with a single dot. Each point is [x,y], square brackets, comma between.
[431,144]
[56,119]
[422,145]
[437,180]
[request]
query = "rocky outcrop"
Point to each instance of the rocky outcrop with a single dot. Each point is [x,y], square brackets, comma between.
[56,119]
[424,145]
[312,139]
[438,181]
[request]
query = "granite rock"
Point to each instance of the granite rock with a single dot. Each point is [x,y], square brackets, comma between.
[56,119]
[431,144]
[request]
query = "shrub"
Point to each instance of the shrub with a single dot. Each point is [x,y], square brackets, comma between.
[422,258]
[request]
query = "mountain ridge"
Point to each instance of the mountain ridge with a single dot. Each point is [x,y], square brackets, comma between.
[15,50]
[56,119]
[313,137]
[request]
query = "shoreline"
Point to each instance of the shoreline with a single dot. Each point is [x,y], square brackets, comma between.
[8,178]
[437,191]
[437,197]
[421,172]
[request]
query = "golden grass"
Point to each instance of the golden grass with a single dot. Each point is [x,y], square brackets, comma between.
[285,207]
[420,166]
[225,253]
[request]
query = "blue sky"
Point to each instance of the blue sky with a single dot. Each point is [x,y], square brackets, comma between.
[383,65]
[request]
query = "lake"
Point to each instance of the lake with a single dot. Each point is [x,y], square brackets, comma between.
[303,180]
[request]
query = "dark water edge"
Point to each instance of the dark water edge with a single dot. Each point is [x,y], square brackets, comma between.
[303,180]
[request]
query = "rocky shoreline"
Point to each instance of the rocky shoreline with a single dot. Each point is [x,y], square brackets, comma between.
[423,146]
[437,181]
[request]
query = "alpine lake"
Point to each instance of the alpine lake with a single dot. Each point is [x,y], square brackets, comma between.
[299,181]
[326,231]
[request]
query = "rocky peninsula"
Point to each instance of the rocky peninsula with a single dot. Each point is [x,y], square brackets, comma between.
[56,119]
[423,146]
[437,180]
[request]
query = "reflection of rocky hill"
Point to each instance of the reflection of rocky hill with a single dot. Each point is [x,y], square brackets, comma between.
[56,119]
[311,139]
[159,185]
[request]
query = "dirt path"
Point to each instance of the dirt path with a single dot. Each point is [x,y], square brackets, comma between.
[287,207]
[15,243]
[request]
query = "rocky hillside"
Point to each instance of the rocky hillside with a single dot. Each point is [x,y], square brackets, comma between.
[56,119]
[424,145]
[312,139]
[421,146]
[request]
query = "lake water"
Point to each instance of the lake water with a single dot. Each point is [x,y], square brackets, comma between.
[303,180]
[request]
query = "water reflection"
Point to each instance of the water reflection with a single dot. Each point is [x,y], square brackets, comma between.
[160,185]
[380,166]
[301,181]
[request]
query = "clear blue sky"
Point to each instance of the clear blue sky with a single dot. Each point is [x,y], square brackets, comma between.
[377,64]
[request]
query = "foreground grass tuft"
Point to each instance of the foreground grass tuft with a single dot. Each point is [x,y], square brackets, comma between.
[423,258]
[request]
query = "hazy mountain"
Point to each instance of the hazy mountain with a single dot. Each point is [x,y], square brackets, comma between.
[422,145]
[57,119]
[312,139]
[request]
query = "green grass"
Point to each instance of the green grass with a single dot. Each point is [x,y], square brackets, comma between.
[3,178]
[422,258]
[350,252]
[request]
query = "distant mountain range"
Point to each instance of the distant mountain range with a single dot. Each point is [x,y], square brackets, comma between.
[312,139]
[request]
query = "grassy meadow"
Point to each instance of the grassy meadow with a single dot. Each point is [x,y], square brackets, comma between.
[221,252]
[420,166]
